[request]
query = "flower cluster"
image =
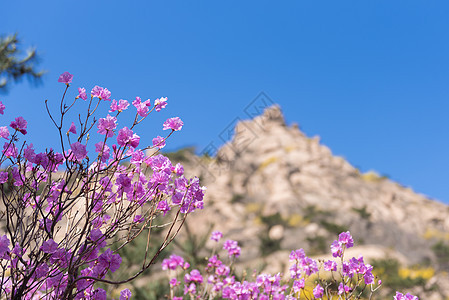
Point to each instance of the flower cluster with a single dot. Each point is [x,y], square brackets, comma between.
[74,201]
[307,277]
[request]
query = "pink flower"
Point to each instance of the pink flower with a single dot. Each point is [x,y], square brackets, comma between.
[159,142]
[216,236]
[330,265]
[125,136]
[174,124]
[2,108]
[4,132]
[125,294]
[110,260]
[101,93]
[65,77]
[121,106]
[232,247]
[298,285]
[194,276]
[99,294]
[9,150]
[343,289]
[82,93]
[4,246]
[49,246]
[318,291]
[160,103]
[103,151]
[107,125]
[19,124]
[345,238]
[3,177]
[79,150]
[138,219]
[142,107]
[105,95]
[72,128]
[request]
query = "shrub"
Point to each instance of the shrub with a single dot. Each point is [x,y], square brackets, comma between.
[67,214]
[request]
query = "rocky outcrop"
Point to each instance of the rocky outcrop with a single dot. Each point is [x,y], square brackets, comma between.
[274,189]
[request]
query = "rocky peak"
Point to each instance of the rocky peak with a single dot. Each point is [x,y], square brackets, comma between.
[273,185]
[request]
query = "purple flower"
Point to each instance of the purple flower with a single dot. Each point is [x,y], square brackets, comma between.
[330,265]
[194,276]
[4,132]
[103,150]
[318,291]
[232,248]
[336,249]
[82,94]
[107,125]
[19,124]
[142,107]
[138,219]
[49,246]
[125,136]
[298,285]
[101,93]
[345,239]
[3,177]
[99,294]
[163,206]
[9,150]
[121,106]
[72,128]
[173,262]
[160,103]
[79,150]
[408,296]
[343,289]
[2,108]
[216,236]
[174,124]
[4,246]
[298,254]
[65,77]
[109,260]
[97,237]
[125,294]
[159,142]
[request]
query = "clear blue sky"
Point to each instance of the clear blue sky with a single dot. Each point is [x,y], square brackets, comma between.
[370,77]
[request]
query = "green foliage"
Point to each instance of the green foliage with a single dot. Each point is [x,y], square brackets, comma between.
[314,214]
[363,212]
[181,155]
[268,245]
[318,245]
[272,220]
[12,66]
[154,290]
[333,227]
[193,245]
[237,198]
[441,251]
[388,270]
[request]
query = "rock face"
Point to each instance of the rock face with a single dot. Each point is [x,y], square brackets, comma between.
[273,189]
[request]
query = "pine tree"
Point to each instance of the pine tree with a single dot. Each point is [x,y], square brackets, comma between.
[13,67]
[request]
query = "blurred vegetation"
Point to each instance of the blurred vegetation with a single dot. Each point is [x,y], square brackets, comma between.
[181,155]
[441,251]
[363,212]
[396,278]
[14,66]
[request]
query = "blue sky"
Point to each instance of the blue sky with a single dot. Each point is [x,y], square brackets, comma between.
[370,77]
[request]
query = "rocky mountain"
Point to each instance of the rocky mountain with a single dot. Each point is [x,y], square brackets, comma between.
[274,189]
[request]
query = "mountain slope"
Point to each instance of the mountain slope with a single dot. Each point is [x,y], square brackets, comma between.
[274,189]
